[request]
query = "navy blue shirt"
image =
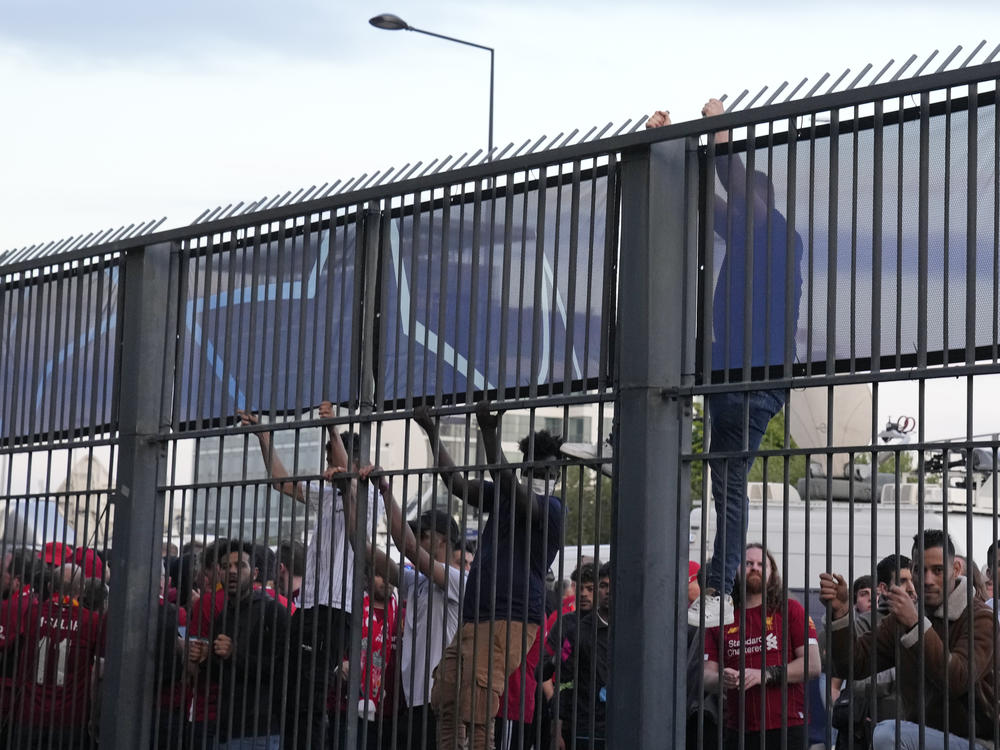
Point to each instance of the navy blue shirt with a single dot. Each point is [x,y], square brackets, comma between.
[770,260]
[515,565]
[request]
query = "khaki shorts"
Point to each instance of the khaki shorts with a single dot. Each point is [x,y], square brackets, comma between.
[485,667]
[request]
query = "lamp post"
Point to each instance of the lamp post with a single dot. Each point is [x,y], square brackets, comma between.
[389,22]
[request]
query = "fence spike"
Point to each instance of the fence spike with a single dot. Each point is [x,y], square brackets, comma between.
[796,89]
[521,148]
[837,82]
[994,53]
[603,131]
[230,211]
[554,141]
[777,91]
[443,164]
[907,64]
[385,176]
[369,181]
[330,189]
[861,75]
[926,63]
[952,56]
[589,133]
[815,88]
[739,98]
[429,167]
[638,124]
[754,100]
[415,168]
[974,53]
[570,137]
[883,71]
[625,125]
[505,149]
[535,145]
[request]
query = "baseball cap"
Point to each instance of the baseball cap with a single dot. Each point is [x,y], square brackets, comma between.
[55,553]
[693,569]
[90,561]
[442,523]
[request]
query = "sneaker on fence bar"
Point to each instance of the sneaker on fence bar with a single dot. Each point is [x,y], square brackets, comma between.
[713,606]
[592,451]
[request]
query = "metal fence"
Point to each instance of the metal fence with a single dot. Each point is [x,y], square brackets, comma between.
[172,396]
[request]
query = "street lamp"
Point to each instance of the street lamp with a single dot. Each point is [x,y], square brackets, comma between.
[389,22]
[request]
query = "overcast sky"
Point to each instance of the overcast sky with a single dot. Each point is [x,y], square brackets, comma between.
[120,111]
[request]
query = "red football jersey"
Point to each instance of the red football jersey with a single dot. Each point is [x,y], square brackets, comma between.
[13,622]
[762,645]
[62,643]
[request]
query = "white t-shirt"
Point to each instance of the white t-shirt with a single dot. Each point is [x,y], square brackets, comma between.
[329,578]
[431,621]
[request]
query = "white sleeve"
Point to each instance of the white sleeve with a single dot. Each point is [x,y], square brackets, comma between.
[454,584]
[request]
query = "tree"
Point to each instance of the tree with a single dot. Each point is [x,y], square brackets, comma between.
[774,439]
[586,523]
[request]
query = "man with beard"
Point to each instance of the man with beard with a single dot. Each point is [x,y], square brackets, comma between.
[251,636]
[938,657]
[868,699]
[766,656]
[586,669]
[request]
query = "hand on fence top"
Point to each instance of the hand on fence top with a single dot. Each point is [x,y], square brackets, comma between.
[658,119]
[380,482]
[325,410]
[422,416]
[485,417]
[833,591]
[331,473]
[714,107]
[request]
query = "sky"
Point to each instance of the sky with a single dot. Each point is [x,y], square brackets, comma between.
[118,111]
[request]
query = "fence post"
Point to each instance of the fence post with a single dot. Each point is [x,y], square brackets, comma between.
[655,329]
[145,365]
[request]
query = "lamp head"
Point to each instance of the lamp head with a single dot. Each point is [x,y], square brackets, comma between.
[389,22]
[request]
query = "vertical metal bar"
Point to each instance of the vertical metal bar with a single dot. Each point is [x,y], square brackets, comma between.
[833,220]
[365,326]
[971,226]
[658,238]
[922,219]
[128,682]
[946,232]
[878,137]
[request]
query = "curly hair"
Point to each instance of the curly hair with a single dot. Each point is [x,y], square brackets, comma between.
[546,445]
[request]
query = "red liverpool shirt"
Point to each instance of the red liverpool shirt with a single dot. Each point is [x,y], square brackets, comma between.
[763,646]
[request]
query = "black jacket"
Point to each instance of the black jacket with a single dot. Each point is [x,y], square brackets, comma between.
[252,680]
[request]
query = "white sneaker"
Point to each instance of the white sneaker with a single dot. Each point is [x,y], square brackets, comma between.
[713,606]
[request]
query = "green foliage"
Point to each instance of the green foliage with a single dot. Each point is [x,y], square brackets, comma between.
[585,522]
[888,466]
[774,439]
[697,446]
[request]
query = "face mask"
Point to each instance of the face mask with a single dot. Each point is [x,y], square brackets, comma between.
[543,487]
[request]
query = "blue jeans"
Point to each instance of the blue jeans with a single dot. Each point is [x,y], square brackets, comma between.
[272,742]
[729,475]
[884,738]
